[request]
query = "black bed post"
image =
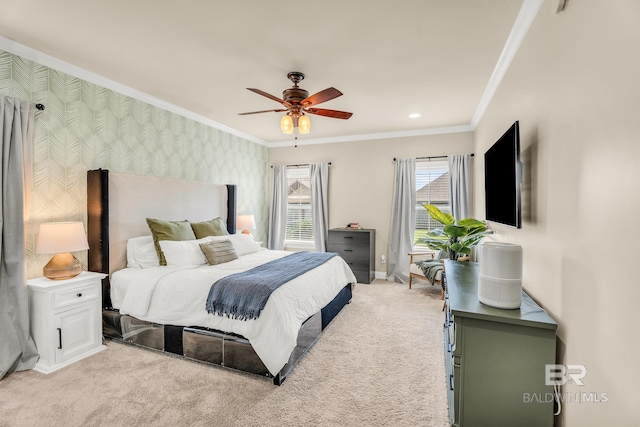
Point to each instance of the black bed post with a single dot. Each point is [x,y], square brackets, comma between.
[98,227]
[231,208]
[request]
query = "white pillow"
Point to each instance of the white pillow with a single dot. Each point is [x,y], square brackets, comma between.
[141,252]
[184,252]
[243,243]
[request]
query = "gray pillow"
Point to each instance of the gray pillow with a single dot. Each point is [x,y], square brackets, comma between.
[219,251]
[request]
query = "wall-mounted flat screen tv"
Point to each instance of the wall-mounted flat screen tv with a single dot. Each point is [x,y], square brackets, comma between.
[502,179]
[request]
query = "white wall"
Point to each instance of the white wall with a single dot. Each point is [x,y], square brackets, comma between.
[361,176]
[575,87]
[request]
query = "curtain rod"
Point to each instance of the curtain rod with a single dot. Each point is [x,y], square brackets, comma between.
[302,164]
[432,157]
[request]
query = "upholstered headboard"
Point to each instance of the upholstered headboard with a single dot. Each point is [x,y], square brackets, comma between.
[118,205]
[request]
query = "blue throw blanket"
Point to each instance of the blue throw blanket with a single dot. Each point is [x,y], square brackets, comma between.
[244,295]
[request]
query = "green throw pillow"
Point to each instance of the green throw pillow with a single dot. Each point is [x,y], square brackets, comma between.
[168,230]
[214,227]
[219,251]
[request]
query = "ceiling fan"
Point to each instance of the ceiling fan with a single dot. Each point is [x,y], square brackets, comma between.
[297,102]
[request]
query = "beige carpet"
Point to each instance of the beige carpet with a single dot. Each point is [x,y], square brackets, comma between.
[379,363]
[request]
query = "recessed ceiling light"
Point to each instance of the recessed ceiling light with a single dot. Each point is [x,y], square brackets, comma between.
[414,115]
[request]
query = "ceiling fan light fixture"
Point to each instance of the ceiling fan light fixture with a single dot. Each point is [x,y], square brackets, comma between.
[286,124]
[304,125]
[296,102]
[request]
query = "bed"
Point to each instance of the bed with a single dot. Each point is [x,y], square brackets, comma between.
[160,307]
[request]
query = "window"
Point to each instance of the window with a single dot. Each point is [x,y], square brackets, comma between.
[432,187]
[299,220]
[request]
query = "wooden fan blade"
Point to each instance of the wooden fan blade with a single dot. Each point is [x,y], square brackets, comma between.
[329,113]
[264,111]
[322,96]
[275,98]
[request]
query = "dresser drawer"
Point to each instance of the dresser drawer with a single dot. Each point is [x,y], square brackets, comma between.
[348,237]
[356,256]
[71,296]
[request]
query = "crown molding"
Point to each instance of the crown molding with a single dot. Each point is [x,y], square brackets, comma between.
[525,18]
[385,135]
[527,14]
[65,67]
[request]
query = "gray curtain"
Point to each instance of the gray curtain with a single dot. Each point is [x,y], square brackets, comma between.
[278,216]
[17,349]
[403,220]
[319,211]
[460,185]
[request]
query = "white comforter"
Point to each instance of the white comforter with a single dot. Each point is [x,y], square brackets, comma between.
[177,296]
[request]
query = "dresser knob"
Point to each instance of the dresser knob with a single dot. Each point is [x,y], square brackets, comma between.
[79,295]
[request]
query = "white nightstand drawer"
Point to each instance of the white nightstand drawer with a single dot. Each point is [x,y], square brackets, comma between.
[68,297]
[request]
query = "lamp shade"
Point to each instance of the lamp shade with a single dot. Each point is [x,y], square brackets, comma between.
[60,237]
[286,124]
[304,125]
[245,222]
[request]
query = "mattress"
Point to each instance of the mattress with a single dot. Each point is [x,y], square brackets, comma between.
[177,296]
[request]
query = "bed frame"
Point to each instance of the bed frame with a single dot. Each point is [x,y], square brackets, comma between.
[117,206]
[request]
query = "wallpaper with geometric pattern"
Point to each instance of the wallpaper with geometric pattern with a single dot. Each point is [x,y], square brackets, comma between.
[85,126]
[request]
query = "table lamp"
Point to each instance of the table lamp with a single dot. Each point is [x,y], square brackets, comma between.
[61,238]
[245,223]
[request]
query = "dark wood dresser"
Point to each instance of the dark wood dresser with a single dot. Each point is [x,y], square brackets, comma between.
[357,248]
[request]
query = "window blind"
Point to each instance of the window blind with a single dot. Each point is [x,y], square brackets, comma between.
[299,220]
[432,187]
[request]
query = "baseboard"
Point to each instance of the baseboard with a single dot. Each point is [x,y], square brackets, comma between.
[381,275]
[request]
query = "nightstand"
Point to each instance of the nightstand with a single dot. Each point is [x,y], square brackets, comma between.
[66,319]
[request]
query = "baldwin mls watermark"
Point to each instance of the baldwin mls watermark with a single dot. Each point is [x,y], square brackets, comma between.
[559,375]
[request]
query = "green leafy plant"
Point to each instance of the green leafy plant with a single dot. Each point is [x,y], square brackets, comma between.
[454,238]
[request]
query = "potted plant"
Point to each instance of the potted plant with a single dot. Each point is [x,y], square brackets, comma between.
[455,238]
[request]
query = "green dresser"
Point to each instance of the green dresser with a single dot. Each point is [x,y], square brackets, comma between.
[495,359]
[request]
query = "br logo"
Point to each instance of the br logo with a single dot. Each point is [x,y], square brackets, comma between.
[561,374]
